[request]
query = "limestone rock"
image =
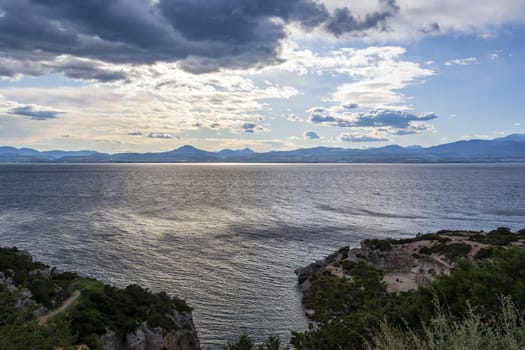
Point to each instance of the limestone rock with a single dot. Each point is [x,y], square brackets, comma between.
[182,337]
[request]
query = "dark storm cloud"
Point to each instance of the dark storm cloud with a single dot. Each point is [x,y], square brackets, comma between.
[87,71]
[28,111]
[201,34]
[375,118]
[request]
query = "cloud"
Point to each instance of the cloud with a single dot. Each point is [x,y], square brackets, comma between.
[86,70]
[343,21]
[430,28]
[418,18]
[152,98]
[72,67]
[159,135]
[392,118]
[29,111]
[252,128]
[203,35]
[383,121]
[495,55]
[374,118]
[377,74]
[360,138]
[311,135]
[462,61]
[164,97]
[293,117]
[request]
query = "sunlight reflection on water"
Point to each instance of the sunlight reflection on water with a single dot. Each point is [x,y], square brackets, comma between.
[228,237]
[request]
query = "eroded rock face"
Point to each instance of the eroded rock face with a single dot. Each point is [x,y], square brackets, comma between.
[183,337]
[303,273]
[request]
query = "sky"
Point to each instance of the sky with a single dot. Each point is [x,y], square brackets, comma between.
[153,75]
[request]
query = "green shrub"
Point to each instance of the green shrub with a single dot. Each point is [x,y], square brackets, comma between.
[245,342]
[422,237]
[484,253]
[379,244]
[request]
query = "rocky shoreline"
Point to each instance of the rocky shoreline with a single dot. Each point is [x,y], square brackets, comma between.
[97,316]
[412,262]
[415,291]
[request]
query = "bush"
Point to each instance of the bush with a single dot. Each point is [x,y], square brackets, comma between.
[245,342]
[379,244]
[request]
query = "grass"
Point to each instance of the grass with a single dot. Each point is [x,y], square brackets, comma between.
[504,330]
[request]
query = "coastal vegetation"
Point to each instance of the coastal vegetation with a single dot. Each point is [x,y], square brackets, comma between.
[29,290]
[478,301]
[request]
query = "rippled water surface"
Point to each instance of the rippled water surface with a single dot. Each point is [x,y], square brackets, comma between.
[227,237]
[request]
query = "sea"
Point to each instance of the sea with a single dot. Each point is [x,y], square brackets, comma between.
[228,237]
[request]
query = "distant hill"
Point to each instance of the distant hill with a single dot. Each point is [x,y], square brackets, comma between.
[504,149]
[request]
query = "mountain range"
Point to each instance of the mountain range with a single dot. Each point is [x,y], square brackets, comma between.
[505,149]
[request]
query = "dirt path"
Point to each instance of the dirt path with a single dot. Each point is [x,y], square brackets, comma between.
[67,303]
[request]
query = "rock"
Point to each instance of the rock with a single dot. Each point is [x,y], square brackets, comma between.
[46,272]
[309,313]
[303,273]
[182,337]
[26,254]
[25,299]
[7,281]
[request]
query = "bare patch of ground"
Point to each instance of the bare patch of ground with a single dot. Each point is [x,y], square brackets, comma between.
[42,320]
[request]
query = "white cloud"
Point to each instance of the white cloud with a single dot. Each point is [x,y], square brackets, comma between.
[495,55]
[158,101]
[377,73]
[462,61]
[293,117]
[162,100]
